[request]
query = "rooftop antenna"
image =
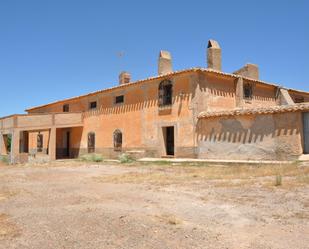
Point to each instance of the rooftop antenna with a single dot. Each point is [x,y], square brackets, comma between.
[120,56]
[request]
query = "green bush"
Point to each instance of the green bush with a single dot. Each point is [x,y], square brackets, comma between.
[126,158]
[4,159]
[9,142]
[92,158]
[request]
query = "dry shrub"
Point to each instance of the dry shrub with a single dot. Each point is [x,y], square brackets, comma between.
[231,175]
[169,219]
[278,181]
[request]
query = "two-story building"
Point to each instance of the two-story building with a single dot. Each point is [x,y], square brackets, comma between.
[191,113]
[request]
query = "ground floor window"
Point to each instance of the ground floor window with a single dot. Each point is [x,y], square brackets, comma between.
[91,142]
[117,140]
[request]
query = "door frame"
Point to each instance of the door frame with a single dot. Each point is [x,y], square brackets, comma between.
[162,141]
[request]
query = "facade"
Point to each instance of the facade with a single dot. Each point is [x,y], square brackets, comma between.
[192,113]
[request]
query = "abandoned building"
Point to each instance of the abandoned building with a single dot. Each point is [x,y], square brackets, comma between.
[191,113]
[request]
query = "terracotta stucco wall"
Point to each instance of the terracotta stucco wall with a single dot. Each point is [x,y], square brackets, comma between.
[261,137]
[75,106]
[215,93]
[141,120]
[33,141]
[263,96]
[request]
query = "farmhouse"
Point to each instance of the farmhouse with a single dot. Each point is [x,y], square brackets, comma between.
[191,113]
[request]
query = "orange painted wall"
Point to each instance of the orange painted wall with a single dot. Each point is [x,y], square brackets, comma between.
[263,96]
[33,139]
[141,120]
[217,93]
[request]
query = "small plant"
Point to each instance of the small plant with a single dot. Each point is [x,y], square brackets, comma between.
[125,158]
[92,158]
[97,158]
[4,159]
[278,181]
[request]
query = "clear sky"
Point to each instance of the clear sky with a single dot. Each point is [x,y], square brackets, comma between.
[55,49]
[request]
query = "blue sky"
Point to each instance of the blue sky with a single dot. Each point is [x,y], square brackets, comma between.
[50,50]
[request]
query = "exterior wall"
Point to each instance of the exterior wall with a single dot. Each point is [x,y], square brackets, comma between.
[218,93]
[75,106]
[215,93]
[74,143]
[28,121]
[3,149]
[261,137]
[141,120]
[263,96]
[299,95]
[33,141]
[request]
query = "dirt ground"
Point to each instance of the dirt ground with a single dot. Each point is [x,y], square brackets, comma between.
[108,205]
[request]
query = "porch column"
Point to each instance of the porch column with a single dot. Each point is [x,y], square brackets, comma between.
[52,144]
[2,145]
[15,146]
[239,92]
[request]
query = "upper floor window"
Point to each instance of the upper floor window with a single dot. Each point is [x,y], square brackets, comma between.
[93,105]
[165,93]
[119,99]
[248,92]
[39,143]
[91,142]
[117,140]
[66,108]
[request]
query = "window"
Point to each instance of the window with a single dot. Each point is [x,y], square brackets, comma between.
[93,105]
[119,99]
[66,108]
[165,93]
[248,91]
[91,142]
[117,140]
[39,143]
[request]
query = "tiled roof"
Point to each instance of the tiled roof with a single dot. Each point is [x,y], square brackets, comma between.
[253,111]
[195,69]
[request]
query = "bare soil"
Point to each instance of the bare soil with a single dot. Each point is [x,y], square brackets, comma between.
[107,205]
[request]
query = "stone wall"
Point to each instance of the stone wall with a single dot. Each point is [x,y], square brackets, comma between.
[258,137]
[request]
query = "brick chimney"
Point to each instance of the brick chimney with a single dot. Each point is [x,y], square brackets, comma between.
[214,55]
[164,63]
[124,78]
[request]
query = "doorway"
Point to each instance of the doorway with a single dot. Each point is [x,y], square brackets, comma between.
[24,142]
[7,142]
[306,132]
[169,141]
